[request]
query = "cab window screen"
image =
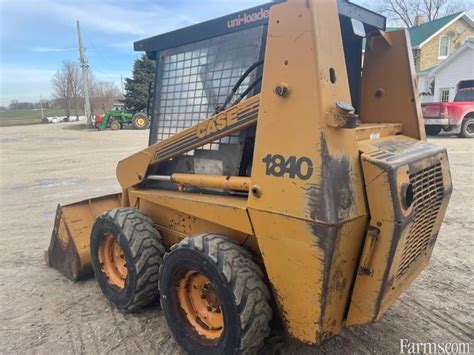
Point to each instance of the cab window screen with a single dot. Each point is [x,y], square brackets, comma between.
[196,78]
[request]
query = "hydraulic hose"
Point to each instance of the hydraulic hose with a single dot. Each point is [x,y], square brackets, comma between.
[245,93]
[237,85]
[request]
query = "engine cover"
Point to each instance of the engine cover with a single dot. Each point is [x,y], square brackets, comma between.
[408,186]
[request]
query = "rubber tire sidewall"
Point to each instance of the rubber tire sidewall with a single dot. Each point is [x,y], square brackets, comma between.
[433,131]
[136,116]
[464,133]
[183,259]
[119,126]
[120,298]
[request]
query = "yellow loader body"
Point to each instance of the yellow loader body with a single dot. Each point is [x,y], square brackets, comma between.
[342,210]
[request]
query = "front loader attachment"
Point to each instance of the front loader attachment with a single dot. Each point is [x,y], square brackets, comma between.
[69,249]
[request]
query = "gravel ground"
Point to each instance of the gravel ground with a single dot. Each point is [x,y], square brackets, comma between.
[42,312]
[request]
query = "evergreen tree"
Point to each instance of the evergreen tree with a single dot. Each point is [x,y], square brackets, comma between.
[136,95]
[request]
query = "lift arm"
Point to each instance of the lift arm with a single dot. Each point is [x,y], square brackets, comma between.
[133,170]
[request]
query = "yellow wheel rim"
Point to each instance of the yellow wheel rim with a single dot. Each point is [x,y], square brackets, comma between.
[200,304]
[141,122]
[112,261]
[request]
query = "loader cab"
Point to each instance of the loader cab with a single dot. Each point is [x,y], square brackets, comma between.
[197,67]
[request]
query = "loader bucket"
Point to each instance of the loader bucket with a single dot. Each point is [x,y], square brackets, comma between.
[69,249]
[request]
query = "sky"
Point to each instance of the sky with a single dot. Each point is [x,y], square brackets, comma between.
[36,36]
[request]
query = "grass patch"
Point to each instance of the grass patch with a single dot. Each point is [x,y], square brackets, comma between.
[76,127]
[27,117]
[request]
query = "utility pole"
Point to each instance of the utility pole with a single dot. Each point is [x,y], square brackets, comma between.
[85,78]
[121,84]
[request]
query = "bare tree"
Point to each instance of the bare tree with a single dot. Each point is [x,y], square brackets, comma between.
[404,12]
[61,90]
[26,105]
[67,90]
[67,87]
[103,94]
[109,93]
[74,78]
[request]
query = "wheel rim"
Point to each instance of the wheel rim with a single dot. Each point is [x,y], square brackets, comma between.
[200,304]
[140,122]
[112,261]
[470,128]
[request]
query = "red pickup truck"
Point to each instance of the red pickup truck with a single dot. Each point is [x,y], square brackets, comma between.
[456,117]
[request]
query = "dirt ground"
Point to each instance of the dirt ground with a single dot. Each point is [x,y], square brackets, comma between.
[42,312]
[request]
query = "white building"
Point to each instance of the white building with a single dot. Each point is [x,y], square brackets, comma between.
[440,83]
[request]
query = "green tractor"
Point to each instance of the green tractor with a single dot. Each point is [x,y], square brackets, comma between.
[118,118]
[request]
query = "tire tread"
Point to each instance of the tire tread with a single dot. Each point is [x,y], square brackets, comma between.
[147,252]
[246,280]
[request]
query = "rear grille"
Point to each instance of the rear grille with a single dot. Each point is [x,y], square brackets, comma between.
[428,195]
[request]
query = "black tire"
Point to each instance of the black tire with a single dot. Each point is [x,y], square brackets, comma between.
[143,253]
[239,285]
[140,121]
[467,128]
[115,126]
[433,130]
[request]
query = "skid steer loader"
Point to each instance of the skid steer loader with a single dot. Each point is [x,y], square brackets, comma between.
[283,184]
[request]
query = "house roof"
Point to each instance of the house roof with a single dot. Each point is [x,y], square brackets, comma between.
[419,35]
[427,71]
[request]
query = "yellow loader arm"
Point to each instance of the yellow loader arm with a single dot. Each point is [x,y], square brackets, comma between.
[133,170]
[69,249]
